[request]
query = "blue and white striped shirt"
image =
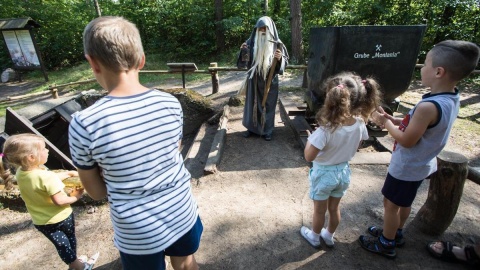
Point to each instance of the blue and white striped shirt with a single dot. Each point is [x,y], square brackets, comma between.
[134,140]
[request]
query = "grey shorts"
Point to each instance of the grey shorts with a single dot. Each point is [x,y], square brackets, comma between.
[329,181]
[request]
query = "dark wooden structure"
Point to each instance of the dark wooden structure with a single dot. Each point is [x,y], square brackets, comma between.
[387,53]
[444,194]
[52,126]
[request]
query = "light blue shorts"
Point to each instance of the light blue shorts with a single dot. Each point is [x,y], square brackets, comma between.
[328,181]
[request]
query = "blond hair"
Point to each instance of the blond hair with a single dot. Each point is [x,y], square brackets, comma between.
[347,95]
[114,42]
[16,150]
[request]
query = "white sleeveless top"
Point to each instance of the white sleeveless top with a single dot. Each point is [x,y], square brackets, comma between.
[418,162]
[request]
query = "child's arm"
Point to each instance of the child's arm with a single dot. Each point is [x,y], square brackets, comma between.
[60,198]
[310,151]
[93,183]
[425,114]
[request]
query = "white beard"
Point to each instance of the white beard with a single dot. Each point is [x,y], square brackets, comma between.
[262,52]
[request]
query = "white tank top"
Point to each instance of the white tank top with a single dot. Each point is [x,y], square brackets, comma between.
[418,162]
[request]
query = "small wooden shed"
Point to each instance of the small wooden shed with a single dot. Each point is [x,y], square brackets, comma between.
[20,43]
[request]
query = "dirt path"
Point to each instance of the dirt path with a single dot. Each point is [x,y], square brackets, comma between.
[252,210]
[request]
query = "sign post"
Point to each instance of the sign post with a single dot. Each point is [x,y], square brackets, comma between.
[20,42]
[182,67]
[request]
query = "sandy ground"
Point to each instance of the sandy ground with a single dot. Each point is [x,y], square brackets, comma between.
[252,210]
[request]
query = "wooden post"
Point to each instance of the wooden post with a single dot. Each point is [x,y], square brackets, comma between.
[305,79]
[444,194]
[54,92]
[183,76]
[215,81]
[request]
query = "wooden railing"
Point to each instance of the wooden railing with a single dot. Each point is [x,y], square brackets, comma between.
[213,70]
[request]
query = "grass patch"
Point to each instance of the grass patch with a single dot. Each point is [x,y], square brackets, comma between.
[82,72]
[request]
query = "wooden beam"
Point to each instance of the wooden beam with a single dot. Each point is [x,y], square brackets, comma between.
[15,124]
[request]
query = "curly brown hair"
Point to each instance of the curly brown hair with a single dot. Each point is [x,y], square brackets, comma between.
[346,95]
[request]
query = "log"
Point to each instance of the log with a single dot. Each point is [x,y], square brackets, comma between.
[444,194]
[218,144]
[474,174]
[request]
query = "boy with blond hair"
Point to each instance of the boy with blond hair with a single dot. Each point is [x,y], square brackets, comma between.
[419,137]
[126,148]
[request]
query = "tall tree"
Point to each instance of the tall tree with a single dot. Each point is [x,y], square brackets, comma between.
[444,23]
[276,7]
[296,27]
[97,8]
[219,33]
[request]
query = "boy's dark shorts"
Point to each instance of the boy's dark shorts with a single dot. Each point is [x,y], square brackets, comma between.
[186,245]
[401,193]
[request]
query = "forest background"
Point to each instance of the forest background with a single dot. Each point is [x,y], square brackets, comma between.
[204,31]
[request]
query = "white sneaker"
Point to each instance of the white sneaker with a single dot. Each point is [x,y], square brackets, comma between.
[328,240]
[310,237]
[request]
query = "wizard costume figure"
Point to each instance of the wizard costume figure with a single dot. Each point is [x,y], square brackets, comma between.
[267,59]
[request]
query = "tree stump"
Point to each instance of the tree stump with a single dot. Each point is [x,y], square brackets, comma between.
[444,194]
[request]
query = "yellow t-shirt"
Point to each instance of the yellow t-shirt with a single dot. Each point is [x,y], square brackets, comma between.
[36,187]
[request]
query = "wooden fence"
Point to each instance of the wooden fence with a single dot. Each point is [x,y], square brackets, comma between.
[213,70]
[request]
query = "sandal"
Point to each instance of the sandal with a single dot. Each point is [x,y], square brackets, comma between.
[82,258]
[448,255]
[91,261]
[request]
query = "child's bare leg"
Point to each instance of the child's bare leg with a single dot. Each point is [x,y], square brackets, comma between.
[391,218]
[319,210]
[184,263]
[404,214]
[333,214]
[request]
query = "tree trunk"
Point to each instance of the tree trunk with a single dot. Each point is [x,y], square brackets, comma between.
[444,194]
[296,56]
[219,33]
[276,7]
[97,8]
[444,23]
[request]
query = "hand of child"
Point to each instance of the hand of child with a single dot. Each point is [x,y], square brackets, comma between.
[308,133]
[378,118]
[67,174]
[395,120]
[78,192]
[72,173]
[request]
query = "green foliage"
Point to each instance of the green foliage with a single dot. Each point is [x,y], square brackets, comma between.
[59,37]
[445,19]
[185,30]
